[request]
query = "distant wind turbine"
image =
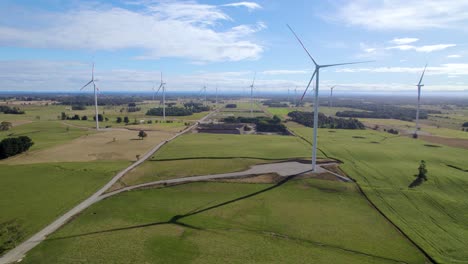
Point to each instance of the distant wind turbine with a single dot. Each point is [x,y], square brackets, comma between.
[95,96]
[330,103]
[419,85]
[288,96]
[316,103]
[251,94]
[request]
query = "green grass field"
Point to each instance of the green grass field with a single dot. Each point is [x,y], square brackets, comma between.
[233,146]
[46,134]
[162,170]
[301,221]
[433,214]
[34,195]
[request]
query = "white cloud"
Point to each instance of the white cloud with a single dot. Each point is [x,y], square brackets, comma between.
[426,48]
[452,69]
[404,14]
[249,5]
[454,56]
[164,29]
[404,41]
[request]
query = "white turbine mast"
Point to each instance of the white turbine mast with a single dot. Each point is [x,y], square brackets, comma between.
[419,85]
[251,94]
[316,103]
[162,86]
[330,103]
[95,96]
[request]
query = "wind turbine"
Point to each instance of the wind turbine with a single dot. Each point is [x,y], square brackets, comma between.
[419,85]
[163,86]
[203,89]
[95,96]
[288,96]
[316,103]
[216,105]
[251,94]
[330,104]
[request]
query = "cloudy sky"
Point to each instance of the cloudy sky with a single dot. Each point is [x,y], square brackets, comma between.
[49,45]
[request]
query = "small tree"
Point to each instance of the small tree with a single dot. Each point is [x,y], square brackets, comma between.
[84,118]
[422,170]
[119,119]
[126,120]
[63,116]
[4,126]
[142,134]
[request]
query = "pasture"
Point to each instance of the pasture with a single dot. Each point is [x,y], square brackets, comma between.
[161,170]
[202,145]
[299,221]
[34,195]
[433,214]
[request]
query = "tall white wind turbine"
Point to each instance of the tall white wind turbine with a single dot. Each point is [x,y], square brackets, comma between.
[316,103]
[419,85]
[251,94]
[95,96]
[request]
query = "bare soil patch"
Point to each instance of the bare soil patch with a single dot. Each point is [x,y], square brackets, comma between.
[451,142]
[107,145]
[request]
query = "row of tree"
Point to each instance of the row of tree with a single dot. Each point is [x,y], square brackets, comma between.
[12,146]
[274,103]
[383,111]
[11,110]
[188,109]
[263,124]
[64,116]
[307,119]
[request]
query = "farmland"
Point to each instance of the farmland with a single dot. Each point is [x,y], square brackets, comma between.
[384,165]
[294,222]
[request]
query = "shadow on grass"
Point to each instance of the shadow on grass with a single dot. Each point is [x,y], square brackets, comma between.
[176,218]
[418,181]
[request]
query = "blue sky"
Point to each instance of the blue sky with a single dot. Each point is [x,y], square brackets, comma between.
[48,45]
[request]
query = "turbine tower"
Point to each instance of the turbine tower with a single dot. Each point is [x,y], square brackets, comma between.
[95,96]
[251,94]
[203,90]
[316,103]
[163,86]
[288,96]
[419,85]
[330,104]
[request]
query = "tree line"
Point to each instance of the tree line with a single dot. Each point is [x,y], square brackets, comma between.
[383,111]
[12,146]
[307,119]
[263,124]
[188,109]
[11,110]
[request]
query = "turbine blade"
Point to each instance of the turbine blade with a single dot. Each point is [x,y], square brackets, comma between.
[158,90]
[92,73]
[86,85]
[302,44]
[422,75]
[346,63]
[253,81]
[161,79]
[308,85]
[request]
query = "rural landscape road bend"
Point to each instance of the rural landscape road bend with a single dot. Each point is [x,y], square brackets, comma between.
[18,252]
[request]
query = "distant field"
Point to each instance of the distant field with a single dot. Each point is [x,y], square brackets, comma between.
[46,134]
[34,195]
[95,147]
[433,214]
[234,146]
[301,221]
[409,126]
[161,170]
